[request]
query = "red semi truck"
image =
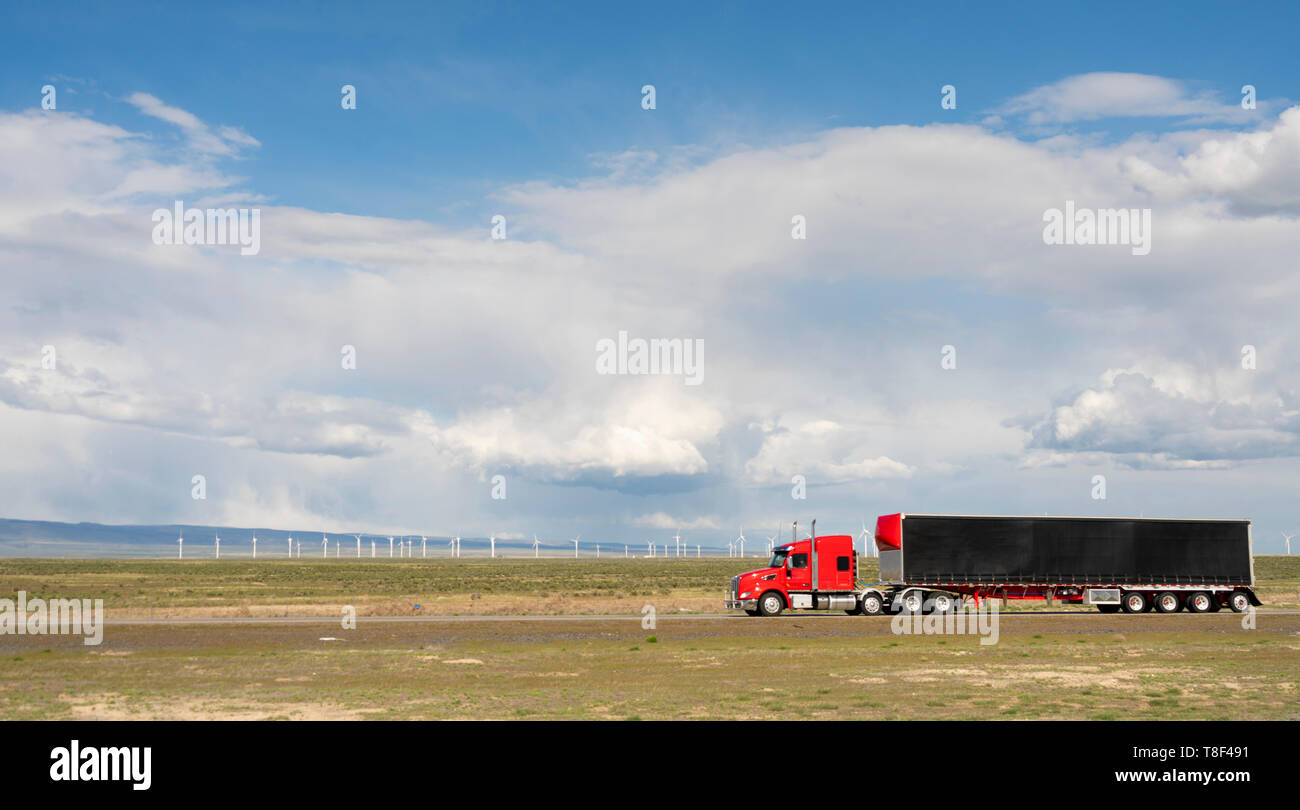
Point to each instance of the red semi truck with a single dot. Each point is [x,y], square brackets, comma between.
[931,563]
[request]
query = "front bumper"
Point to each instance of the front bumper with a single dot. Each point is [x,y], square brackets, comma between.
[740,604]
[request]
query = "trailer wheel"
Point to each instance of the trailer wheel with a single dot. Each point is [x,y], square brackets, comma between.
[1108,608]
[871,605]
[1168,602]
[771,604]
[912,603]
[1199,602]
[1239,601]
[1135,602]
[941,603]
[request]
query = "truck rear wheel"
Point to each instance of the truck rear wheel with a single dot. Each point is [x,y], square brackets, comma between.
[1199,602]
[1239,601]
[941,603]
[912,603]
[1168,602]
[871,605]
[1135,602]
[771,604]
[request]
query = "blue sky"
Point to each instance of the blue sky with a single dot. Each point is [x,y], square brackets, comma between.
[924,231]
[460,99]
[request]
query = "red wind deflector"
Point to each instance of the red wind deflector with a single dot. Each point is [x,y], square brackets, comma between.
[889,532]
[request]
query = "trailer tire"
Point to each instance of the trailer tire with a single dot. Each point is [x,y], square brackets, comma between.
[871,605]
[1168,602]
[1135,602]
[941,604]
[1108,608]
[912,604]
[1199,602]
[1239,601]
[771,603]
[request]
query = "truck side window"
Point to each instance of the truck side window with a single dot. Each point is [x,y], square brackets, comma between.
[841,563]
[799,561]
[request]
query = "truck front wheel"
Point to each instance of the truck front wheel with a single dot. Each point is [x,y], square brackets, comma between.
[1134,602]
[771,604]
[871,605]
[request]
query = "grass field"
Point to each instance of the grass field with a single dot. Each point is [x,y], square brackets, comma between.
[164,588]
[1047,664]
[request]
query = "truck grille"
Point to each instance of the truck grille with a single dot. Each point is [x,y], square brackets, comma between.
[735,588]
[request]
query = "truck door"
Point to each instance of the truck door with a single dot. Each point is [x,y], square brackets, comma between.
[799,575]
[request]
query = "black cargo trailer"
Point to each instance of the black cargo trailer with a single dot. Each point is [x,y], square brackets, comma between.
[1134,564]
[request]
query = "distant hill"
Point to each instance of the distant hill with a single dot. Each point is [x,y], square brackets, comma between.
[41,538]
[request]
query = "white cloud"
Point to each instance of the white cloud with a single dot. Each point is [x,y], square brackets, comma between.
[663,520]
[1091,96]
[225,142]
[476,357]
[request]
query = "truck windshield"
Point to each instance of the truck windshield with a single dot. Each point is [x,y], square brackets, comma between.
[778,558]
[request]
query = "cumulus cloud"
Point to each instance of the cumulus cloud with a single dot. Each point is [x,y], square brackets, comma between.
[822,451]
[1172,417]
[476,357]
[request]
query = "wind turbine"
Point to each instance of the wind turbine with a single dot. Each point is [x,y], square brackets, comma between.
[865,534]
[741,540]
[575,544]
[651,546]
[372,548]
[451,546]
[180,546]
[324,546]
[598,551]
[492,546]
[218,546]
[358,545]
[390,547]
[678,538]
[290,546]
[731,548]
[697,552]
[423,546]
[255,545]
[535,545]
[458,547]
[625,550]
[1288,537]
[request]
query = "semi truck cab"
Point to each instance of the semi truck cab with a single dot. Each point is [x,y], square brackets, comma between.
[800,576]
